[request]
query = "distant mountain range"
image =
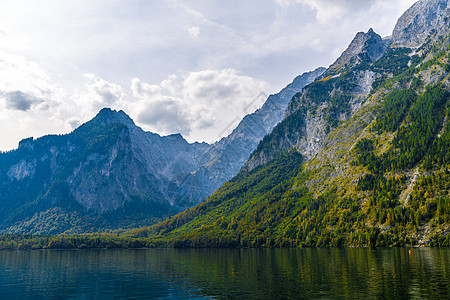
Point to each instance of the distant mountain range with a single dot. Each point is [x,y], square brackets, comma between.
[110,174]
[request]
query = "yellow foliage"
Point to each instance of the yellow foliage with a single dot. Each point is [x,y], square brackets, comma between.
[325,79]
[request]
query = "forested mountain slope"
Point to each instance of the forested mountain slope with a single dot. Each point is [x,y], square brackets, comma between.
[362,156]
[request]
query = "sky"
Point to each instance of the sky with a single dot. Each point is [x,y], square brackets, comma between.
[193,67]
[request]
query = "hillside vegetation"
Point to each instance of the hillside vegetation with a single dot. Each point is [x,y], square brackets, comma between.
[381,178]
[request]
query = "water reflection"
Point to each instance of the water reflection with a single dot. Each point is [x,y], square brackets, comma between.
[226,273]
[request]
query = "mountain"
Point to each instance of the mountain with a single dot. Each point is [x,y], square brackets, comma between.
[361,158]
[110,174]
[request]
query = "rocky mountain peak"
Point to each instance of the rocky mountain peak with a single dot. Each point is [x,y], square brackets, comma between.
[422,19]
[26,143]
[110,116]
[365,46]
[374,45]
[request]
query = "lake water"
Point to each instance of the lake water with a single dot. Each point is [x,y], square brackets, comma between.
[226,274]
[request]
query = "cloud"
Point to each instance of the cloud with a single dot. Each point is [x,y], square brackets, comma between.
[72,123]
[165,115]
[19,73]
[194,32]
[331,10]
[20,101]
[212,84]
[328,10]
[200,105]
[157,110]
[141,89]
[344,4]
[101,93]
[285,2]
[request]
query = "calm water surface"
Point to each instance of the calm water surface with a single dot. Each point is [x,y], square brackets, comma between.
[226,274]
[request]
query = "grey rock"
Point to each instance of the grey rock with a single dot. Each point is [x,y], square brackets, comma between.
[22,170]
[364,47]
[422,19]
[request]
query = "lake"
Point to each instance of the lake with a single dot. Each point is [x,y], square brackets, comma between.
[352,273]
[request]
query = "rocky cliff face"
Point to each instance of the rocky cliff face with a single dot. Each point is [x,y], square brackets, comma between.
[166,157]
[345,85]
[424,18]
[141,163]
[365,47]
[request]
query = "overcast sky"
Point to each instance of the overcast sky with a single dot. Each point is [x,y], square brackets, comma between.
[192,67]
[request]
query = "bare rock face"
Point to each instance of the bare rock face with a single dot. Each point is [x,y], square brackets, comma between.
[364,47]
[424,18]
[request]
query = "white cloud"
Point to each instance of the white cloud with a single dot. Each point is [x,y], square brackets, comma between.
[328,10]
[117,40]
[141,89]
[194,32]
[285,2]
[18,73]
[19,101]
[30,101]
[72,123]
[101,93]
[164,115]
[200,105]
